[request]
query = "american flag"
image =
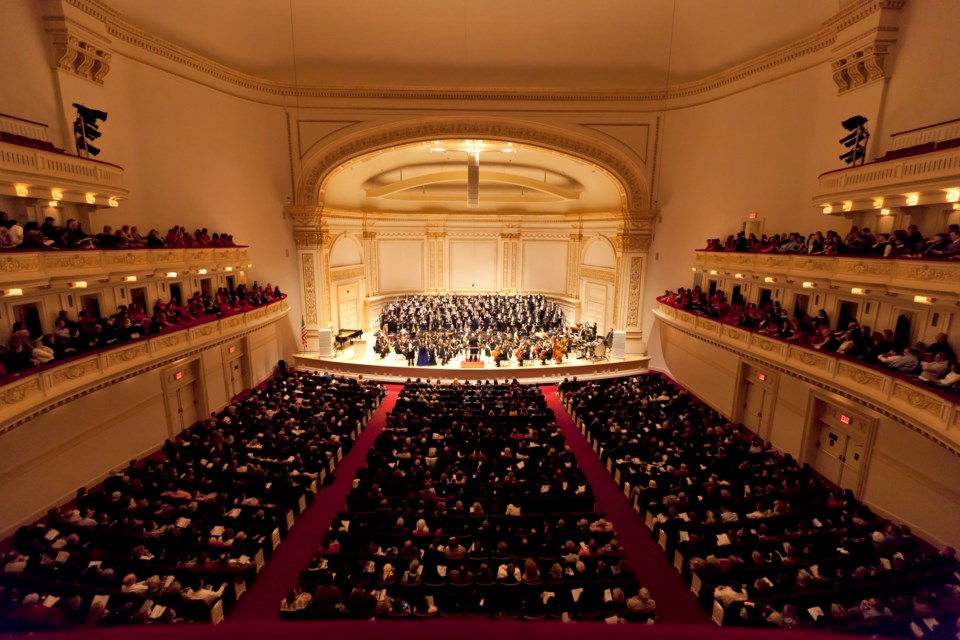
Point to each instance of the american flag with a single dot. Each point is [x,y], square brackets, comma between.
[303,333]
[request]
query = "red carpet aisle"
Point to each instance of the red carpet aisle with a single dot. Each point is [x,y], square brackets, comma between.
[675,603]
[282,572]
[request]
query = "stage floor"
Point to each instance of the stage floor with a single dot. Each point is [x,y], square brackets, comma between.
[394,367]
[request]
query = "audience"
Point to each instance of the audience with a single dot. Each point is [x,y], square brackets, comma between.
[763,536]
[901,243]
[929,363]
[166,539]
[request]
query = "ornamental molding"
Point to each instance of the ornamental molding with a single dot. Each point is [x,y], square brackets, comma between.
[309,239]
[346,274]
[633,292]
[866,35]
[860,67]
[126,355]
[917,400]
[308,276]
[20,392]
[75,371]
[126,258]
[859,375]
[594,273]
[174,339]
[636,243]
[808,358]
[867,268]
[19,263]
[927,272]
[627,174]
[74,261]
[76,50]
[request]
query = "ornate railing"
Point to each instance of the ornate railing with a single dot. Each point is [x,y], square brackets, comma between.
[878,178]
[941,277]
[35,268]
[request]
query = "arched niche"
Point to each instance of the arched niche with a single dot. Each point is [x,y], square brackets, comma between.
[599,252]
[325,157]
[345,252]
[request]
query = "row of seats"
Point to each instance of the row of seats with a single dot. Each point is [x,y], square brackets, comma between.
[471,504]
[179,536]
[762,540]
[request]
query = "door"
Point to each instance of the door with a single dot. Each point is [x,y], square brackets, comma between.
[348,302]
[765,296]
[801,305]
[186,406]
[595,309]
[29,315]
[840,457]
[91,304]
[234,377]
[754,398]
[848,314]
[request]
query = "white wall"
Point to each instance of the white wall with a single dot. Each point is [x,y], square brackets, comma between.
[401,265]
[473,264]
[544,266]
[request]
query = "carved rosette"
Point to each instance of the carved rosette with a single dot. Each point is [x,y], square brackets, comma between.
[18,393]
[918,400]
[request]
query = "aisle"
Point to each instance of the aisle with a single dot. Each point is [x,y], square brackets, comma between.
[282,572]
[675,603]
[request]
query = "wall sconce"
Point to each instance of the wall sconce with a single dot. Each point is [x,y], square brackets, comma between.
[52,203]
[923,299]
[713,272]
[827,209]
[202,272]
[113,202]
[171,274]
[228,268]
[848,205]
[857,291]
[80,284]
[877,203]
[953,195]
[129,278]
[809,285]
[694,269]
[884,212]
[738,276]
[56,194]
[91,198]
[913,199]
[13,292]
[250,266]
[22,190]
[769,279]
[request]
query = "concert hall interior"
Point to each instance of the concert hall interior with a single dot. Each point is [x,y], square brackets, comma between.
[300,270]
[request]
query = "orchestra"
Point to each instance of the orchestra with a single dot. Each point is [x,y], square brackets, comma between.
[428,330]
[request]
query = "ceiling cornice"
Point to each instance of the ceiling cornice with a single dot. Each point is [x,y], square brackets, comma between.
[797,56]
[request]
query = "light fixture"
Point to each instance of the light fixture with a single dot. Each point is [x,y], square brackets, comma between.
[769,279]
[923,299]
[22,190]
[171,274]
[827,209]
[857,291]
[713,272]
[694,269]
[202,272]
[129,278]
[884,212]
[250,266]
[52,203]
[913,199]
[56,194]
[79,284]
[877,203]
[848,205]
[228,268]
[113,202]
[953,195]
[738,276]
[956,206]
[809,285]
[91,198]
[13,292]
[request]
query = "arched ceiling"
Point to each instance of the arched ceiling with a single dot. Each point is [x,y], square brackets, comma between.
[534,44]
[433,176]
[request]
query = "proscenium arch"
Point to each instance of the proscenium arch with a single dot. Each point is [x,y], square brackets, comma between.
[325,157]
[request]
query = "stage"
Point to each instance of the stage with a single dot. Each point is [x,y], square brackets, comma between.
[394,367]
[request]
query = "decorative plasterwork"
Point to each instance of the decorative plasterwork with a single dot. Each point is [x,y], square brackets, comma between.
[309,239]
[346,274]
[626,173]
[77,51]
[633,294]
[308,278]
[593,273]
[865,38]
[860,67]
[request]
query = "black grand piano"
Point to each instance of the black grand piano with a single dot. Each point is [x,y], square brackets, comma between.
[346,335]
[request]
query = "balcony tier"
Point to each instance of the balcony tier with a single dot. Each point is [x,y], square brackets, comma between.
[33,392]
[24,269]
[923,410]
[907,277]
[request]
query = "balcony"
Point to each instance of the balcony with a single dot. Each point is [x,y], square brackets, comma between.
[881,275]
[935,415]
[32,391]
[27,269]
